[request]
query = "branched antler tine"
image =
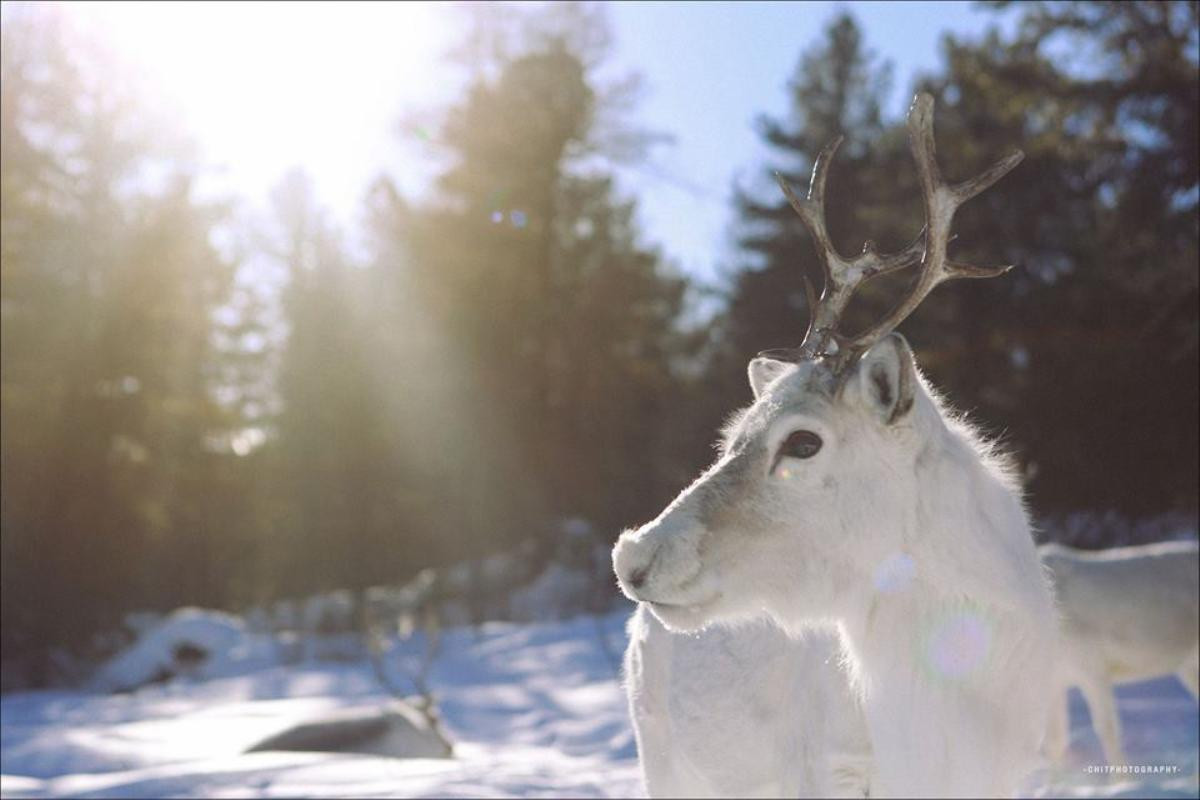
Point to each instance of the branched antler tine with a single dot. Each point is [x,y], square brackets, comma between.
[958,269]
[801,206]
[812,210]
[969,188]
[810,297]
[820,172]
[873,263]
[920,140]
[810,294]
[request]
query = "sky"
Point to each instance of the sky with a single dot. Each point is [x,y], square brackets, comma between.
[712,68]
[263,87]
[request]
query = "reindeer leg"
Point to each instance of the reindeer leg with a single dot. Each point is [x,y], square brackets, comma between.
[1189,673]
[1102,703]
[1058,732]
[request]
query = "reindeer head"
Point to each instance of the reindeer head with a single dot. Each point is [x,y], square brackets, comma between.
[802,504]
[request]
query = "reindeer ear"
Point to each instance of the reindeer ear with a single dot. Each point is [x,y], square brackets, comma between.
[762,371]
[886,378]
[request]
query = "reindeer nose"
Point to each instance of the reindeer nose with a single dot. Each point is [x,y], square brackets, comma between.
[633,561]
[637,578]
[638,575]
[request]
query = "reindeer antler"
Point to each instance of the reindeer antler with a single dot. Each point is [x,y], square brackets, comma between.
[844,276]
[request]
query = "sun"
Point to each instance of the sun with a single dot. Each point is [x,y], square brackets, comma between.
[262,87]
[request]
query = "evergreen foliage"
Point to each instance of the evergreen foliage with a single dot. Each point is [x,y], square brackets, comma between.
[508,351]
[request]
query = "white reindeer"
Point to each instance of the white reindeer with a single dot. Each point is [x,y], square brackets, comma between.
[744,712]
[847,494]
[1128,614]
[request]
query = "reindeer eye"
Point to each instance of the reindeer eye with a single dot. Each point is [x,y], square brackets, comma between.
[800,444]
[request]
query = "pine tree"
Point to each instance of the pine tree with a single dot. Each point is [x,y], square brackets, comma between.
[334,477]
[109,287]
[838,90]
[1091,342]
[548,328]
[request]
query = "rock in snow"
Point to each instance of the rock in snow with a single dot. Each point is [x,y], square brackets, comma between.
[191,642]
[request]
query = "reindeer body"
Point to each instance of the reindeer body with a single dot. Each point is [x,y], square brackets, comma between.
[744,712]
[1128,614]
[912,538]
[846,495]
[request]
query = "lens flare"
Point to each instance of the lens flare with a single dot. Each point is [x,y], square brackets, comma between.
[895,573]
[957,646]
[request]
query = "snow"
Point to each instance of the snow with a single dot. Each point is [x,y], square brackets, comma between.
[535,710]
[192,641]
[1160,730]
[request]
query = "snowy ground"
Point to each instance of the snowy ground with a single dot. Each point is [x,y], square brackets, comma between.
[1161,724]
[535,710]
